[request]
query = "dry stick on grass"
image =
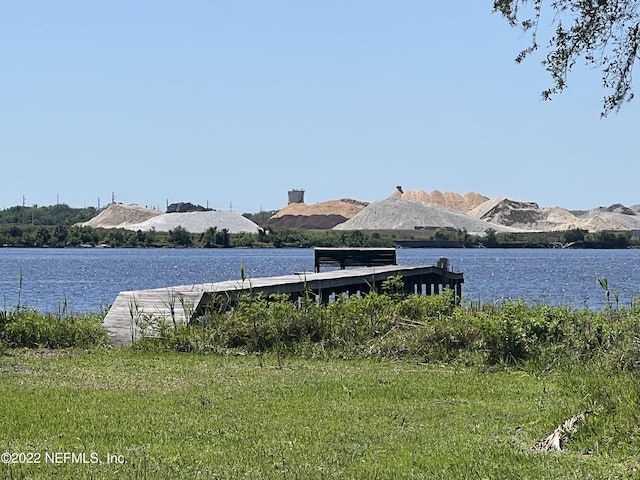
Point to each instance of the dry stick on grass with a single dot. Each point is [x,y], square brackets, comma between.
[401,321]
[561,434]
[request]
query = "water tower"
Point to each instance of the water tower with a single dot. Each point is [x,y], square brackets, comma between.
[296,196]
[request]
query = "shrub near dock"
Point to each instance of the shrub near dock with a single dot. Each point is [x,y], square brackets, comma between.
[430,328]
[27,328]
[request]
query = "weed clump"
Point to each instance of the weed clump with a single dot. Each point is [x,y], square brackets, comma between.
[27,328]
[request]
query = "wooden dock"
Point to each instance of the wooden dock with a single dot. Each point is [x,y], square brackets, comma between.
[133,309]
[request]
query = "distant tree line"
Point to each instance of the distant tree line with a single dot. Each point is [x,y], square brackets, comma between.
[60,214]
[76,236]
[182,207]
[576,238]
[261,217]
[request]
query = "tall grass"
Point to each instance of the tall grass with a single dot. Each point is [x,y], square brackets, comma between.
[430,328]
[27,328]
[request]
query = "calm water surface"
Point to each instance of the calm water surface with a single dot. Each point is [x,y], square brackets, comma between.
[90,279]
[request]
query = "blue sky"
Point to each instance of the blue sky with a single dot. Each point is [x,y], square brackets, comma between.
[231,104]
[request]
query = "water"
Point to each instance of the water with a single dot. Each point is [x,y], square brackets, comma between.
[553,276]
[82,280]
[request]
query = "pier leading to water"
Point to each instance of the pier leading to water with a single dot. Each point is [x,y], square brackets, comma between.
[184,303]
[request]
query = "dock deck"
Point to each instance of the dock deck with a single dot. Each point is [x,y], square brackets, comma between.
[179,304]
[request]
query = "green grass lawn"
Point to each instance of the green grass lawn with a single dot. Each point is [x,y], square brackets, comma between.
[169,415]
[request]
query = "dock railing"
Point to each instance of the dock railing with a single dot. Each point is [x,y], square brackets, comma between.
[353,257]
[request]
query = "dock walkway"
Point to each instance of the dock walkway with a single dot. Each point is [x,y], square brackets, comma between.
[183,303]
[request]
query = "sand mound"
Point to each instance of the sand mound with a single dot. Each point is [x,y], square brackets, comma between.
[615,217]
[526,215]
[402,210]
[529,216]
[451,200]
[197,222]
[118,215]
[559,219]
[345,207]
[401,214]
[507,211]
[320,215]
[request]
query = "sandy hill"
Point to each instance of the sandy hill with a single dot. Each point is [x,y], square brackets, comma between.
[529,216]
[615,217]
[118,215]
[525,215]
[135,217]
[319,215]
[402,214]
[402,210]
[197,222]
[451,200]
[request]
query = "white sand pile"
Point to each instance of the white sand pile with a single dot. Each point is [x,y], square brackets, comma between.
[118,215]
[400,214]
[197,222]
[451,200]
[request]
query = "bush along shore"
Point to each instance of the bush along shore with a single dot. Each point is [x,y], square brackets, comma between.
[61,236]
[382,386]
